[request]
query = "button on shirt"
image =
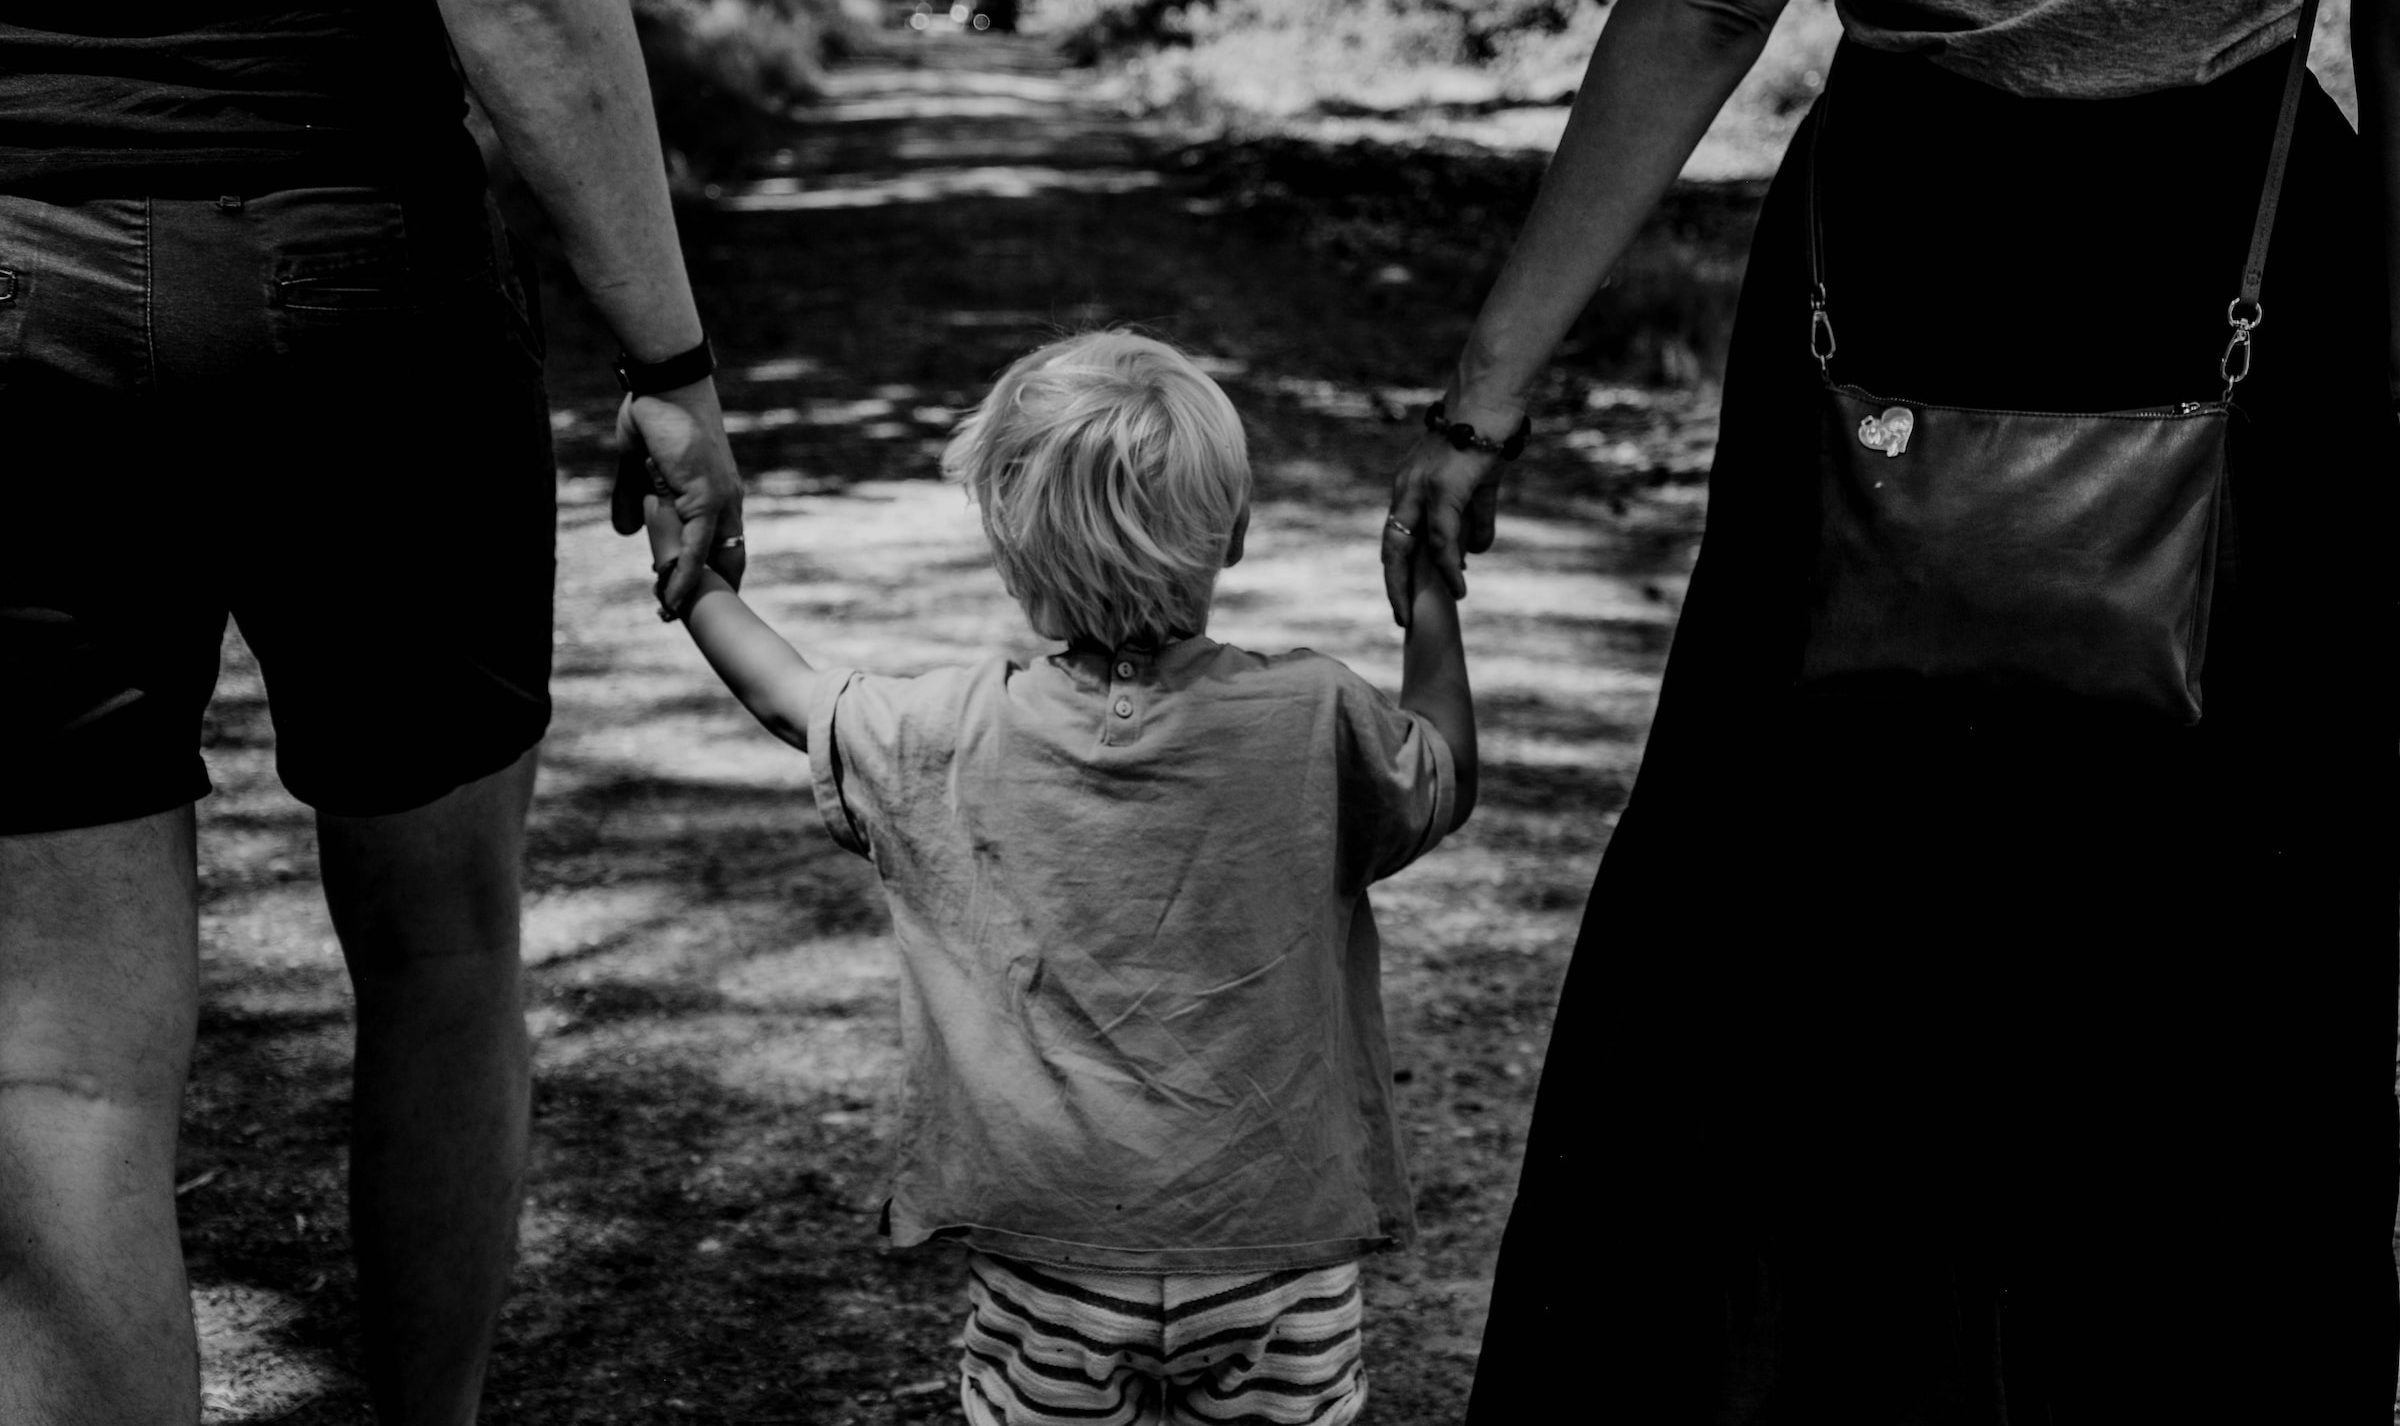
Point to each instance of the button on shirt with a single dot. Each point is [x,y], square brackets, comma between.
[1141,1004]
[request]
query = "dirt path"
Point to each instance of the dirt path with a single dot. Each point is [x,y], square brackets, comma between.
[713,989]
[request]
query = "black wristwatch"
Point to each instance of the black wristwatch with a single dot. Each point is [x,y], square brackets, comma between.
[648,378]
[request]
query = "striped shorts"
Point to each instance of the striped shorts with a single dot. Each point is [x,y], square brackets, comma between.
[1053,1346]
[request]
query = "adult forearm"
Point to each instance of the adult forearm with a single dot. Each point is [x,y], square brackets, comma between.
[2375,51]
[563,84]
[1661,71]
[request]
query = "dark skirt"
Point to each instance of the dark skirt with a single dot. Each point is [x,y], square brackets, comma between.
[1922,1064]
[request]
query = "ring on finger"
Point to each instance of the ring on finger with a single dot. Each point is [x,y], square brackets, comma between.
[1405,532]
[730,542]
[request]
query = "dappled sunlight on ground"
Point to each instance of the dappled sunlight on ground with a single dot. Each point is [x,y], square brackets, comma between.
[249,1374]
[929,104]
[999,75]
[934,185]
[560,924]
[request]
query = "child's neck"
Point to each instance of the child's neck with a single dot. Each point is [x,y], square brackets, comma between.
[1088,644]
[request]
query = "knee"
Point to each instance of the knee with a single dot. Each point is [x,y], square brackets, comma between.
[69,1067]
[453,997]
[67,1085]
[63,1103]
[405,918]
[85,1161]
[398,912]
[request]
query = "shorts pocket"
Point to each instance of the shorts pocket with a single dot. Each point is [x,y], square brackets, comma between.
[360,291]
[359,283]
[341,285]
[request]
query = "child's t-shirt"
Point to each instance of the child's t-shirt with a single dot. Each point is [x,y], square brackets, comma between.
[1141,1003]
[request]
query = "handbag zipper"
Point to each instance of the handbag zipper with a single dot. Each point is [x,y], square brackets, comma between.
[2180,408]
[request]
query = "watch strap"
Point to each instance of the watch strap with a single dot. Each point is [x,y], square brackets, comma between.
[648,378]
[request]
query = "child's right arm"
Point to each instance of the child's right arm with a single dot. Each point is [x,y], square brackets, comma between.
[1433,676]
[774,682]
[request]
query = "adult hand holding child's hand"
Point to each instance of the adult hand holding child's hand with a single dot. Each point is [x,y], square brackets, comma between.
[1447,498]
[683,434]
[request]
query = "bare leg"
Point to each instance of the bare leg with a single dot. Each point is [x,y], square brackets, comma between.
[426,905]
[99,989]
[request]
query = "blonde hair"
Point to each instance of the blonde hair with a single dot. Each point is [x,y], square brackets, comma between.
[1110,472]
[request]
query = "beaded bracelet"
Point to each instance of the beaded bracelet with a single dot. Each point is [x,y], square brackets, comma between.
[1461,436]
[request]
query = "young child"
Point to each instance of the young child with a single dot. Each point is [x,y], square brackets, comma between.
[1147,1083]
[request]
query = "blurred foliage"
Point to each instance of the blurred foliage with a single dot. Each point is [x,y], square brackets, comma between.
[1093,30]
[725,77]
[1240,61]
[1269,66]
[1458,31]
[1215,57]
[723,71]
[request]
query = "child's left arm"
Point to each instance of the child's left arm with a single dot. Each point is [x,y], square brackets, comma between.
[779,687]
[1433,677]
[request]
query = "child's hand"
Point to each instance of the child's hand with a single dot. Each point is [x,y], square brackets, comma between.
[680,436]
[666,543]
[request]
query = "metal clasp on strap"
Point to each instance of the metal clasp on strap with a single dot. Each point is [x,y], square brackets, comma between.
[1820,332]
[2238,345]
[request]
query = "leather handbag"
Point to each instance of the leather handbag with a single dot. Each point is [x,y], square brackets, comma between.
[2018,553]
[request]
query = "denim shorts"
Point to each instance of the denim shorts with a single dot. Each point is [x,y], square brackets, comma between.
[318,411]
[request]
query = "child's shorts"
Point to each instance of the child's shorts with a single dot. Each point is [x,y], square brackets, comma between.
[1063,1347]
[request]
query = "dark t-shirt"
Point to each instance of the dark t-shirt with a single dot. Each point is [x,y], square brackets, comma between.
[204,97]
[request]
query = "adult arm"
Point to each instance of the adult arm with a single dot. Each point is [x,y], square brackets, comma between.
[779,687]
[1662,70]
[1433,682]
[563,84]
[2375,52]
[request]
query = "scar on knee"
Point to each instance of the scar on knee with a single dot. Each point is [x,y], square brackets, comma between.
[64,1084]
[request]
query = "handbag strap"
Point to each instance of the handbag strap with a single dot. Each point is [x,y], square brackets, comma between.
[2244,314]
[2254,270]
